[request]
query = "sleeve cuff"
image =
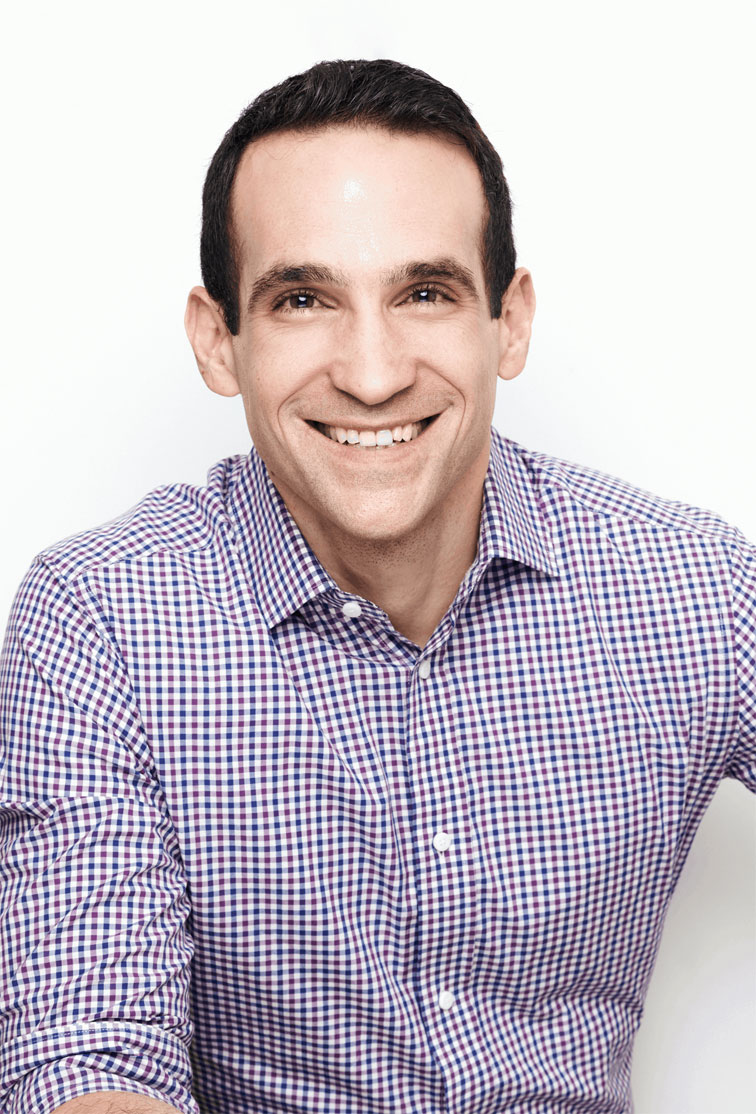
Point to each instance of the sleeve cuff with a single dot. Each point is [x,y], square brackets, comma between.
[55,1065]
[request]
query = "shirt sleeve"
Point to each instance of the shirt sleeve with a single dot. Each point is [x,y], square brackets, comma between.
[94,946]
[742,764]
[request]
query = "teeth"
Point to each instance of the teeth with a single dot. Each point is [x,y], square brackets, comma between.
[372,438]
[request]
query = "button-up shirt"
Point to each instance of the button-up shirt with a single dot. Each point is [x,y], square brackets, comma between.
[261,853]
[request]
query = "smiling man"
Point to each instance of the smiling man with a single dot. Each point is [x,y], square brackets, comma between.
[359,780]
[366,352]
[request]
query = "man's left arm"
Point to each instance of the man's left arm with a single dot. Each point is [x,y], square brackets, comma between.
[742,762]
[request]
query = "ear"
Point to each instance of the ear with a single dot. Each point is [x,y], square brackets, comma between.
[209,337]
[517,310]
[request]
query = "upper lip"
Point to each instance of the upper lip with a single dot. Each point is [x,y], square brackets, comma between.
[384,423]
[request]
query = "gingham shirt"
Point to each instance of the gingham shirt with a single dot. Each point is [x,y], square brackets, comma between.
[262,854]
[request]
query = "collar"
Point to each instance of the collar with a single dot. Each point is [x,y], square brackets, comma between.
[286,574]
[513,525]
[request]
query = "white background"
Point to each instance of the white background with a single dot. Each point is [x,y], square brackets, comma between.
[627,136]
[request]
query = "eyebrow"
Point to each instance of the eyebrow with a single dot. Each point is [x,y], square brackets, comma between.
[307,273]
[424,271]
[284,275]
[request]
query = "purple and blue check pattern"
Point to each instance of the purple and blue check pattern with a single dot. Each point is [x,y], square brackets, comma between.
[261,856]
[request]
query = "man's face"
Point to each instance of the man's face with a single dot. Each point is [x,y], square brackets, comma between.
[364,308]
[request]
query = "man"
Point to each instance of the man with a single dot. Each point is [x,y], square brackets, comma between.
[360,779]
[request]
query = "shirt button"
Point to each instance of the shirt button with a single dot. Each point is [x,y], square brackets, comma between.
[446,1000]
[441,841]
[424,669]
[351,610]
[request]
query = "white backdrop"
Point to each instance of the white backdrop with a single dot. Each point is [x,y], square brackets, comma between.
[627,137]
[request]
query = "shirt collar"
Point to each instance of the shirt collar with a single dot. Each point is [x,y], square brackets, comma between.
[286,574]
[513,524]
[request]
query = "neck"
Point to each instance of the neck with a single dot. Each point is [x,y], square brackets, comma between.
[413,579]
[413,582]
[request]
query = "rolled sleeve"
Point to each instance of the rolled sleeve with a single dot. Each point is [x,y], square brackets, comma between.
[94,946]
[55,1065]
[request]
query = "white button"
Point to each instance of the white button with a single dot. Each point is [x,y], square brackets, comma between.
[445,1000]
[351,610]
[441,841]
[424,669]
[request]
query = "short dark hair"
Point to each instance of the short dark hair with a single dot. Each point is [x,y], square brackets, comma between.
[381,93]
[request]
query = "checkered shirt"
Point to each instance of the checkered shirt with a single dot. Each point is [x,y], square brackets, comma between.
[259,853]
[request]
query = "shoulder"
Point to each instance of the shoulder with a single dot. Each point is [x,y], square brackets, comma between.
[173,519]
[599,521]
[590,494]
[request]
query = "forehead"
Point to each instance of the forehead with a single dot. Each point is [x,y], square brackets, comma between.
[356,197]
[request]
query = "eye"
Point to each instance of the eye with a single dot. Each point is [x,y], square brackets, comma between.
[427,294]
[296,300]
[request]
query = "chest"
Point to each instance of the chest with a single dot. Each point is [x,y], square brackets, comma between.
[555,748]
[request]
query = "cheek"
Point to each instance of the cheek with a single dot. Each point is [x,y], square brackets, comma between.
[471,365]
[258,378]
[467,343]
[277,364]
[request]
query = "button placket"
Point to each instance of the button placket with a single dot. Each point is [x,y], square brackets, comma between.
[448,939]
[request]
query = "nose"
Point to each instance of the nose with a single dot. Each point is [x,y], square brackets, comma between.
[372,364]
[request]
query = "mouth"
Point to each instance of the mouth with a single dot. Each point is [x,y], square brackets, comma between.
[384,437]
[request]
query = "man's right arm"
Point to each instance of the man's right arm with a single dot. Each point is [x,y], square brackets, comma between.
[115,1102]
[94,949]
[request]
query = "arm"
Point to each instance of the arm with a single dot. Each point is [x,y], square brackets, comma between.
[742,763]
[115,1102]
[94,949]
